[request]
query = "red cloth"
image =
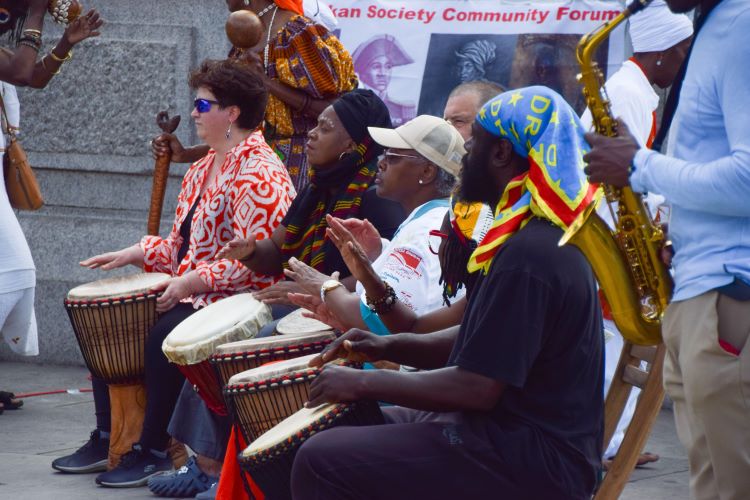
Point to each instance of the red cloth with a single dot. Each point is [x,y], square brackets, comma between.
[293,5]
[230,482]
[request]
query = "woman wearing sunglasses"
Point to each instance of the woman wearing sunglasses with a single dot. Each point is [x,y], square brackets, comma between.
[418,170]
[239,188]
[305,67]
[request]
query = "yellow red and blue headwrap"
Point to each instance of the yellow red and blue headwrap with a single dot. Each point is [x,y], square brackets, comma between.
[545,129]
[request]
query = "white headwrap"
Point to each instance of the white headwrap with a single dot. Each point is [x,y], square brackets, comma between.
[321,13]
[656,28]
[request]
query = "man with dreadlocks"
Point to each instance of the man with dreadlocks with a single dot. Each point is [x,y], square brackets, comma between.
[511,403]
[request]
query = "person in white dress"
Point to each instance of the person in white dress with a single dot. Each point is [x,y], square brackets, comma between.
[21,67]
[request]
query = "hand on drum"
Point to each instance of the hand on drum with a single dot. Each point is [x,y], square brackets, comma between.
[175,289]
[359,230]
[317,309]
[335,384]
[113,260]
[278,293]
[238,249]
[355,345]
[309,279]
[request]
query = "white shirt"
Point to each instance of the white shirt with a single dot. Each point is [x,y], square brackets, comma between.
[408,265]
[633,99]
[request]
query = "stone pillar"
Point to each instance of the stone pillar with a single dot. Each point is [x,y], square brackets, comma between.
[87,136]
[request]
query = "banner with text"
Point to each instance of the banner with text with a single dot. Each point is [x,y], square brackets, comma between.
[413,53]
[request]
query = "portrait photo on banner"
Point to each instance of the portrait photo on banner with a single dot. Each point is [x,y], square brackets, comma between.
[511,60]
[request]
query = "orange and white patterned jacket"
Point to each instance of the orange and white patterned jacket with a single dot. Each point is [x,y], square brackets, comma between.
[251,194]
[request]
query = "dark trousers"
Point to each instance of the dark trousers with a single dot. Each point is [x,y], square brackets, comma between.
[163,383]
[415,455]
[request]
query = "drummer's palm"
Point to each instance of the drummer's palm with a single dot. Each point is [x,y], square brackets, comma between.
[237,249]
[113,260]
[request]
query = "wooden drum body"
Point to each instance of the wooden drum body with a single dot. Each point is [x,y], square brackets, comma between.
[193,341]
[269,458]
[236,357]
[111,319]
[262,397]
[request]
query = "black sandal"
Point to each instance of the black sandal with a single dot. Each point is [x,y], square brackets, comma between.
[9,401]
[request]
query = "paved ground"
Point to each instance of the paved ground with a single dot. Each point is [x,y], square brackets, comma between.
[53,425]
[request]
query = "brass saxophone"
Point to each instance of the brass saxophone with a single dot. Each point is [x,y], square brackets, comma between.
[626,261]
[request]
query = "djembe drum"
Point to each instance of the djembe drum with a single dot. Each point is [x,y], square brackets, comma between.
[193,341]
[111,319]
[295,323]
[262,397]
[269,458]
[236,357]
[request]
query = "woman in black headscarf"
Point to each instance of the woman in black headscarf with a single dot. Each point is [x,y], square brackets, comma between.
[344,162]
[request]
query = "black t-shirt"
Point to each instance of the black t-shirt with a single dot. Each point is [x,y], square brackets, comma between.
[384,214]
[534,323]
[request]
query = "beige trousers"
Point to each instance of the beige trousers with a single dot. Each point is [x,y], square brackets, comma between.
[710,389]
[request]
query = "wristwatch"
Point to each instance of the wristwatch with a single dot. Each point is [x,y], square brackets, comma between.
[327,286]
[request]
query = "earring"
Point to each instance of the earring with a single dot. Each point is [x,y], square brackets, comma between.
[421,182]
[341,156]
[229,130]
[658,62]
[247,3]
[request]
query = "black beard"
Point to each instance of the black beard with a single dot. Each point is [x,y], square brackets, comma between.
[476,184]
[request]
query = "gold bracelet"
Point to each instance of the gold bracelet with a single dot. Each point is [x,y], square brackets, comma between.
[44,65]
[68,57]
[32,32]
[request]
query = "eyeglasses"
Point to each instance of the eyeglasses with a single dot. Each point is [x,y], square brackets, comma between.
[204,105]
[434,239]
[388,155]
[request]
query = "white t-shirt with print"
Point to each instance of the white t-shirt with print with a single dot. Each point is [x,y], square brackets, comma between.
[408,265]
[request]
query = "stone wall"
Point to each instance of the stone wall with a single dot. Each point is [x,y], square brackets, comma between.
[87,135]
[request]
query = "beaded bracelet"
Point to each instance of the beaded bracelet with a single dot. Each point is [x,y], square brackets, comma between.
[384,303]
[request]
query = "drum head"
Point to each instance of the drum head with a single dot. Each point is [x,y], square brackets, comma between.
[273,370]
[123,286]
[287,428]
[277,342]
[233,318]
[296,324]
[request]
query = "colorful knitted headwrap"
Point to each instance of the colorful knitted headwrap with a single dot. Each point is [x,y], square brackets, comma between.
[545,129]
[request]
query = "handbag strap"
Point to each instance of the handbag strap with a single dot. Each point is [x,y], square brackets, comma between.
[7,129]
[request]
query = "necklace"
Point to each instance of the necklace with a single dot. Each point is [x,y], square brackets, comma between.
[265,11]
[268,39]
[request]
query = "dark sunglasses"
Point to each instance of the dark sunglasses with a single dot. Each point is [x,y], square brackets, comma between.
[204,105]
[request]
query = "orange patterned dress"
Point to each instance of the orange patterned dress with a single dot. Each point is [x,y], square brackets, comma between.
[251,194]
[307,57]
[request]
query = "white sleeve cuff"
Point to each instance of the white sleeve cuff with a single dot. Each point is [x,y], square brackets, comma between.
[638,177]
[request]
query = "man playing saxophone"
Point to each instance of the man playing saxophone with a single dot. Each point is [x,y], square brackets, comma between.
[660,41]
[706,180]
